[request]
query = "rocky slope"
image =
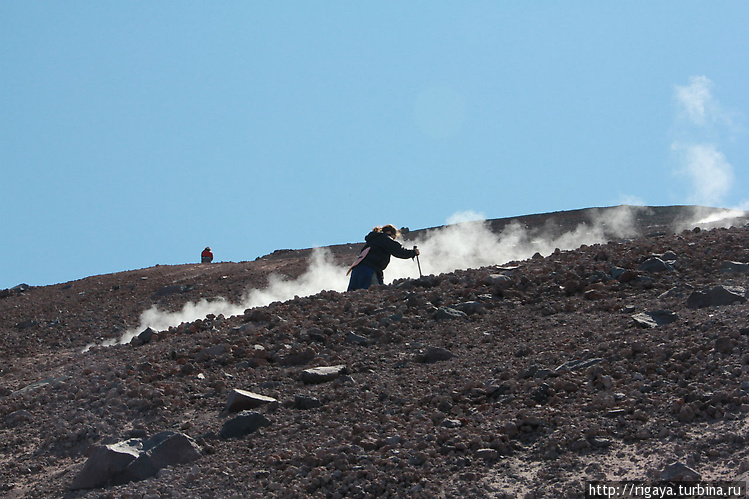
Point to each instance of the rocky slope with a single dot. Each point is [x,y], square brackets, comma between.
[625,360]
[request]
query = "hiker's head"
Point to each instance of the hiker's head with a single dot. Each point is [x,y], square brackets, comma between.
[390,230]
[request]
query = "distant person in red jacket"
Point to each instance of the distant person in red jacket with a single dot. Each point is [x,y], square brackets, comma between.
[206,256]
[375,257]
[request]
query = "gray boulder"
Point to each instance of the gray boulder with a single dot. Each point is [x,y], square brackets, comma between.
[135,459]
[655,264]
[470,307]
[356,339]
[616,272]
[306,402]
[106,462]
[242,400]
[500,281]
[578,365]
[735,268]
[449,313]
[144,337]
[18,417]
[717,296]
[161,450]
[676,292]
[679,472]
[434,354]
[212,352]
[654,318]
[243,424]
[317,375]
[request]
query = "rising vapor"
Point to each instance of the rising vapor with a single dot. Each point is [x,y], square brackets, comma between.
[709,173]
[467,242]
[473,244]
[702,165]
[322,274]
[696,103]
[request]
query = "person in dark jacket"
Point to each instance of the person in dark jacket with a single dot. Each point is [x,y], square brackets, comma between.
[380,245]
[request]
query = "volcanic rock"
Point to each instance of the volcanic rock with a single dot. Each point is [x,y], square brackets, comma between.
[241,400]
[735,267]
[317,375]
[306,402]
[433,354]
[655,264]
[717,296]
[679,472]
[543,391]
[449,313]
[655,318]
[107,462]
[243,424]
[144,337]
[135,460]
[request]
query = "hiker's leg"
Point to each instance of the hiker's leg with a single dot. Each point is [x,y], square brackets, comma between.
[362,277]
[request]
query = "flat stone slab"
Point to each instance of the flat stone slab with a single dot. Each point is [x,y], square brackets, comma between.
[717,296]
[324,374]
[444,313]
[242,400]
[735,268]
[577,365]
[654,318]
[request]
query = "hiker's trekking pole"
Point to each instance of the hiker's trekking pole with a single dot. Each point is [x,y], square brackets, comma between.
[418,263]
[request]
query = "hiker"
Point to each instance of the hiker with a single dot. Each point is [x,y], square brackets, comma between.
[375,257]
[206,256]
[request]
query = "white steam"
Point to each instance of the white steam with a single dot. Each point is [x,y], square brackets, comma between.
[710,175]
[719,218]
[709,218]
[701,121]
[467,243]
[472,244]
[696,102]
[465,216]
[322,274]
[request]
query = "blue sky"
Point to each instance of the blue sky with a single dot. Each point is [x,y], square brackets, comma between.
[136,133]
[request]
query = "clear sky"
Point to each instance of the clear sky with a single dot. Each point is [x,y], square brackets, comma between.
[136,133]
